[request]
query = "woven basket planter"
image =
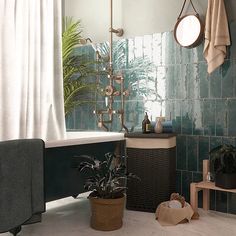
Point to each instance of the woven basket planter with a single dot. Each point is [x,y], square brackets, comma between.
[107,214]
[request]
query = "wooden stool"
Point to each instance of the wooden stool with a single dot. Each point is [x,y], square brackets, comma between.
[205,186]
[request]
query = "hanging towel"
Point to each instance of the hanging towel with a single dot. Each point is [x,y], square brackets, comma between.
[21,182]
[216,34]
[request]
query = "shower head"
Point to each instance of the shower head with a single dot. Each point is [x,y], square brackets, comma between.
[88,41]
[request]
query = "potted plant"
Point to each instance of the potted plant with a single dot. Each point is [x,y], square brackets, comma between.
[223,166]
[107,181]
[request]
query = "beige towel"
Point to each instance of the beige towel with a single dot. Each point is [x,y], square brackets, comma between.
[173,216]
[216,34]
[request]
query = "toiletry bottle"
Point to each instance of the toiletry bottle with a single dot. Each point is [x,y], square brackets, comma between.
[158,126]
[146,124]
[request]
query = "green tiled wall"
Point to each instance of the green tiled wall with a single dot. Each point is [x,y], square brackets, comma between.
[202,107]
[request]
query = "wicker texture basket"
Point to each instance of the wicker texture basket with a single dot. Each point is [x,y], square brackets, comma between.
[107,214]
[157,170]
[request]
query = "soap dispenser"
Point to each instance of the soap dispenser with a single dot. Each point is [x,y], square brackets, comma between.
[146,124]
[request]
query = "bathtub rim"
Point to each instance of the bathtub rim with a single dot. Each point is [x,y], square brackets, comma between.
[95,137]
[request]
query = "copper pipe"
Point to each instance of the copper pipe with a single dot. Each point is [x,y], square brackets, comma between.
[110,93]
[111,40]
[110,76]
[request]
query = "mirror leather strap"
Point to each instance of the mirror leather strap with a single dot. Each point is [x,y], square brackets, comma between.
[184,6]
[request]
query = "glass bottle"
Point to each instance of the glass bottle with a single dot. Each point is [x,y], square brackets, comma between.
[208,177]
[146,124]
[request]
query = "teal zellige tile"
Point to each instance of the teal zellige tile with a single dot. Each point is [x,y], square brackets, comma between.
[232,203]
[232,117]
[221,201]
[203,80]
[187,179]
[221,117]
[192,152]
[228,77]
[209,117]
[215,83]
[203,151]
[215,142]
[187,117]
[181,162]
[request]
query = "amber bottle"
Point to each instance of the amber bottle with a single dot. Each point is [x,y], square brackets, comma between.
[146,124]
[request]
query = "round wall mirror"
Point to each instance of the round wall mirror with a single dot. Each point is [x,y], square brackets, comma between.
[188,31]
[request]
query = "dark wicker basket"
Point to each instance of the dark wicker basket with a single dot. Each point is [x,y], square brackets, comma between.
[157,170]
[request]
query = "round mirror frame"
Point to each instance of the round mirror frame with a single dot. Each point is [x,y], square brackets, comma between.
[200,36]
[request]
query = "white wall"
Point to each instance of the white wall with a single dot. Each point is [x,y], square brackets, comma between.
[136,17]
[95,16]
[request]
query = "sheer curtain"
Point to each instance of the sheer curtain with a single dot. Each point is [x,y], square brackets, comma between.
[31,83]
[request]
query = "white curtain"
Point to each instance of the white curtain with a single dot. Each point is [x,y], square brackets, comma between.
[31,83]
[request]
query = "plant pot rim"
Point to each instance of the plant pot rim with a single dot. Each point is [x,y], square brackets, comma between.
[108,201]
[94,197]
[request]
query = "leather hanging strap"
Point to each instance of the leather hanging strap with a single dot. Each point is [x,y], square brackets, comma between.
[184,6]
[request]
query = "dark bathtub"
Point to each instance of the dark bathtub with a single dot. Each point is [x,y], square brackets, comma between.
[62,178]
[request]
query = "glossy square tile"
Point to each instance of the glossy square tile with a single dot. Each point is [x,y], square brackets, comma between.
[232,117]
[177,117]
[209,117]
[178,182]
[161,82]
[181,153]
[136,83]
[212,200]
[120,53]
[70,121]
[215,142]
[198,53]
[232,48]
[181,81]
[173,112]
[227,140]
[192,153]
[232,203]
[178,54]
[204,83]
[221,114]
[134,114]
[221,201]
[228,77]
[197,177]
[170,82]
[157,49]
[187,179]
[192,80]
[168,48]
[215,84]
[187,117]
[203,151]
[187,56]
[198,126]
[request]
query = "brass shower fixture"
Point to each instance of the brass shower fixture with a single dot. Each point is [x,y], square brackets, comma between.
[110,89]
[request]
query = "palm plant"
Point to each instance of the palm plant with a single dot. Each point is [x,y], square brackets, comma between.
[78,69]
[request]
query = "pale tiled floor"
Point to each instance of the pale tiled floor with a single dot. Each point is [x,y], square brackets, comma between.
[70,217]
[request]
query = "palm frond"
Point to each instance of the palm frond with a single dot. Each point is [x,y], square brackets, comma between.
[71,36]
[79,71]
